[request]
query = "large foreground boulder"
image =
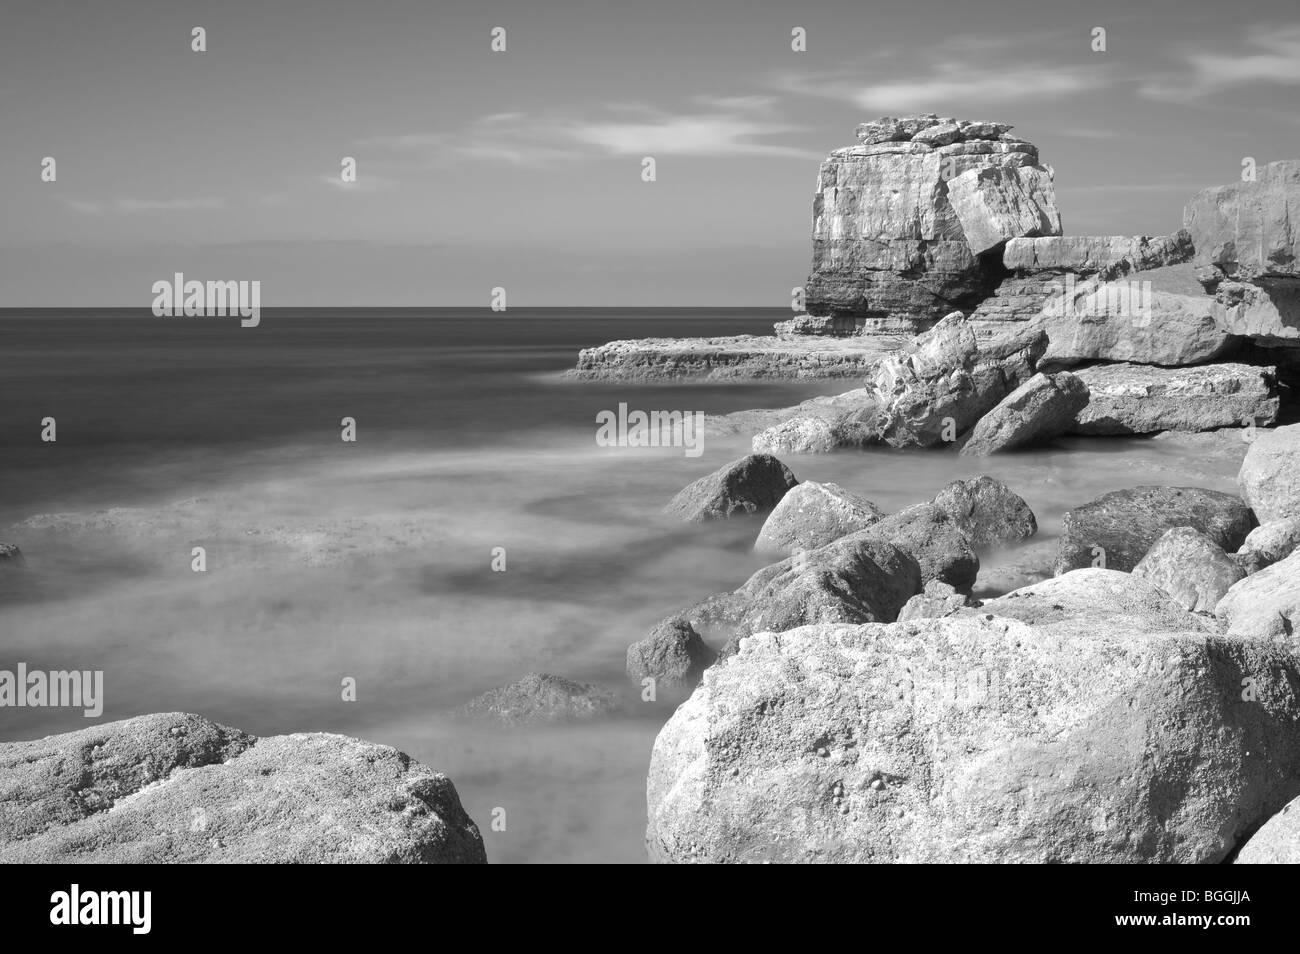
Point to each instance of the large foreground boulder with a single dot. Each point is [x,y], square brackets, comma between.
[1190,568]
[1270,474]
[1140,399]
[173,787]
[1117,529]
[1277,842]
[1265,605]
[976,739]
[753,484]
[812,515]
[1041,408]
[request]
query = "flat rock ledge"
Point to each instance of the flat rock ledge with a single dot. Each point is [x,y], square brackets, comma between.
[178,788]
[736,358]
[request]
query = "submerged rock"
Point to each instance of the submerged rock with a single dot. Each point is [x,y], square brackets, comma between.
[812,515]
[976,740]
[177,788]
[1116,530]
[1139,399]
[1190,568]
[1038,410]
[752,484]
[1270,474]
[673,655]
[542,698]
[10,555]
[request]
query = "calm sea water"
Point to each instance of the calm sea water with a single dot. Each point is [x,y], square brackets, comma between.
[372,560]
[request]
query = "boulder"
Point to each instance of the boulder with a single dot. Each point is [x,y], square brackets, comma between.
[989,512]
[891,251]
[10,555]
[797,435]
[1117,529]
[1268,544]
[1277,842]
[1266,310]
[1265,605]
[673,655]
[812,515]
[1041,408]
[1190,568]
[752,484]
[935,601]
[539,698]
[1270,475]
[857,579]
[1140,399]
[976,740]
[177,788]
[934,538]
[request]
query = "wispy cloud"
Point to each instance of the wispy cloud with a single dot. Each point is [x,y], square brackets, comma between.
[1266,56]
[708,126]
[125,205]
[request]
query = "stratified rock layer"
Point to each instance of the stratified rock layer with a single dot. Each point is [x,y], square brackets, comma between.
[1142,399]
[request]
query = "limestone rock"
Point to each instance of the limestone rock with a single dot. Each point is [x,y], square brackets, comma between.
[934,538]
[1265,605]
[1124,524]
[739,357]
[1190,568]
[752,484]
[1039,409]
[539,698]
[976,740]
[1268,544]
[1277,842]
[997,203]
[1083,255]
[1141,399]
[1249,230]
[1270,475]
[812,515]
[936,601]
[1267,310]
[132,792]
[673,655]
[989,512]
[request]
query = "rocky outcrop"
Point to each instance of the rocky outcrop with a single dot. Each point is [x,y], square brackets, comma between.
[989,513]
[1117,529]
[900,224]
[938,386]
[736,358]
[1277,842]
[1189,568]
[936,601]
[1265,605]
[752,484]
[812,515]
[1141,399]
[976,739]
[1270,475]
[1268,544]
[177,788]
[539,698]
[673,655]
[1040,409]
[1247,236]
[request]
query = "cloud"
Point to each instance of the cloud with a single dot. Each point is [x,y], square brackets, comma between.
[365,182]
[1268,56]
[126,205]
[710,126]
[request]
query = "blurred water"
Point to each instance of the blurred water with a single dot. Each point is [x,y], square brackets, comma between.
[372,560]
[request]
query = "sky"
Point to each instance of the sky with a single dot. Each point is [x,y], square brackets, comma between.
[522,169]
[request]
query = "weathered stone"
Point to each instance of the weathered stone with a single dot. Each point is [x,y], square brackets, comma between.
[1190,568]
[1265,605]
[989,512]
[10,555]
[741,357]
[1249,230]
[1142,399]
[673,655]
[812,515]
[131,791]
[539,698]
[752,484]
[1121,526]
[1270,475]
[798,435]
[976,740]
[1268,544]
[936,601]
[1083,255]
[934,538]
[1038,410]
[994,204]
[1267,311]
[940,134]
[1277,842]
